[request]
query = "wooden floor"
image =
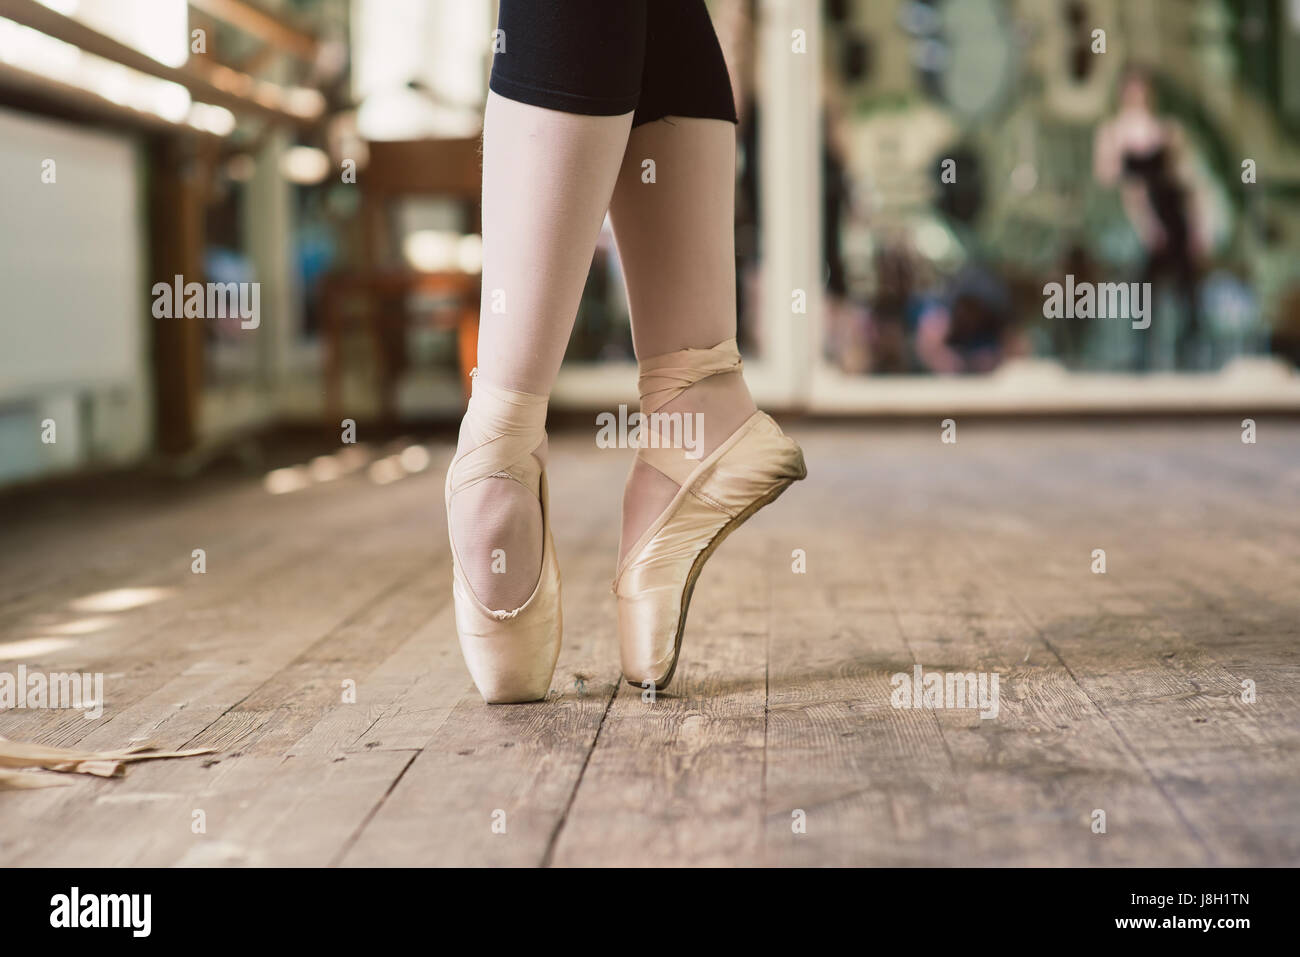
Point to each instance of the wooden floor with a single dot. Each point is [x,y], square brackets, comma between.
[1120,692]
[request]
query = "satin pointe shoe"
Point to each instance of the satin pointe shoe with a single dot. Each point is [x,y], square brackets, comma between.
[510,654]
[751,468]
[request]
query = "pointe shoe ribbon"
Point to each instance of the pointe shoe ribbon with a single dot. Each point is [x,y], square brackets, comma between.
[662,379]
[751,468]
[502,428]
[510,653]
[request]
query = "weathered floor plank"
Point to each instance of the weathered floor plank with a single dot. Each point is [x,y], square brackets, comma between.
[491,785]
[777,744]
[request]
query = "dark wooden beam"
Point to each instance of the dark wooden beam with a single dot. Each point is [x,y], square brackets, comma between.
[178,180]
[33,92]
[207,82]
[274,28]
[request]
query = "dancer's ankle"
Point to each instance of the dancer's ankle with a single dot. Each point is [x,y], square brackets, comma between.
[494,510]
[718,405]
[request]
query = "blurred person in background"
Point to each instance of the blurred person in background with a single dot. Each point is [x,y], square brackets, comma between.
[895,272]
[1145,155]
[972,328]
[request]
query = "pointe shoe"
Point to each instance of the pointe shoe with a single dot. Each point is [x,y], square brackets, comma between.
[655,580]
[510,654]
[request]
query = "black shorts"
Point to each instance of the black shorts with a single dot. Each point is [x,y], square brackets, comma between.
[654,58]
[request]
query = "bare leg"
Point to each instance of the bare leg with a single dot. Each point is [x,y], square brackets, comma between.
[676,240]
[547,180]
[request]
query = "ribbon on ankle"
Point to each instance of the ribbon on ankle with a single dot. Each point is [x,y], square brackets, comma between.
[663,378]
[502,428]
